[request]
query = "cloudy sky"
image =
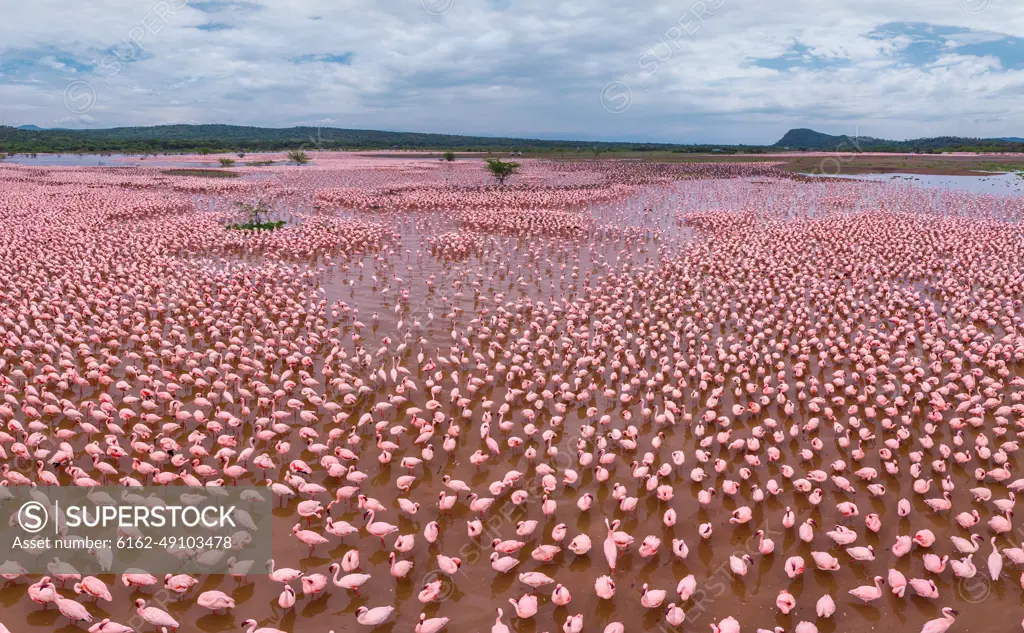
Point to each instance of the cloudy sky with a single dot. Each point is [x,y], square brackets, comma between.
[720,71]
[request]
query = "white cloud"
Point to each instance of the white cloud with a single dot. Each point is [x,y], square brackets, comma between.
[532,68]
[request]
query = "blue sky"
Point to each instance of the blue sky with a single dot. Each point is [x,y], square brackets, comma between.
[718,71]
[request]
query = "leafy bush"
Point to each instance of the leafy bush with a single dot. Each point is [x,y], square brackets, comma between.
[500,169]
[226,162]
[298,156]
[258,212]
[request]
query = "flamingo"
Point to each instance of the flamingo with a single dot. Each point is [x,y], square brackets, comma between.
[941,625]
[867,593]
[215,601]
[155,616]
[351,582]
[373,617]
[73,611]
[251,625]
[432,625]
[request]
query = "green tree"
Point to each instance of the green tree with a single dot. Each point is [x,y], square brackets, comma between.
[501,169]
[449,156]
[298,156]
[226,162]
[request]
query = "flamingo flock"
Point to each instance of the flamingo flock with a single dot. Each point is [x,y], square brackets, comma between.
[608,396]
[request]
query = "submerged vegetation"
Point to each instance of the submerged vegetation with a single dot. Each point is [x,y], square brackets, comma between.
[257,226]
[205,173]
[257,211]
[257,216]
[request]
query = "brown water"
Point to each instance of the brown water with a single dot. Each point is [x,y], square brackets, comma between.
[533,268]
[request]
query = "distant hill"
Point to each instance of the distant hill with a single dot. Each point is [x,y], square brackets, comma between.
[237,138]
[806,139]
[1012,139]
[232,138]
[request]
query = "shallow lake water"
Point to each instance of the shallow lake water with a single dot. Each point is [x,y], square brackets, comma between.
[98,160]
[1009,184]
[442,299]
